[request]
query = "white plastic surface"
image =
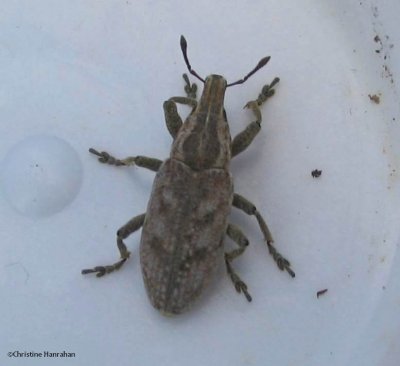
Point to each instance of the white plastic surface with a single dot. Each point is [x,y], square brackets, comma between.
[95,74]
[41,175]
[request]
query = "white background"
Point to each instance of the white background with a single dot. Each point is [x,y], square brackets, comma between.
[95,74]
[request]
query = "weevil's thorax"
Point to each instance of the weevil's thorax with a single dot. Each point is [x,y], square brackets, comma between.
[204,140]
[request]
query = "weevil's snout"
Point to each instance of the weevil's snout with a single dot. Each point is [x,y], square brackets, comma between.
[212,98]
[215,76]
[215,81]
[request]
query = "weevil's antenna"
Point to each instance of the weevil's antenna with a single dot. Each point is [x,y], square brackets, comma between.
[184,51]
[260,64]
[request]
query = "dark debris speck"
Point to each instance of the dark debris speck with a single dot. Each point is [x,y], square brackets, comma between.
[321,292]
[374,98]
[316,173]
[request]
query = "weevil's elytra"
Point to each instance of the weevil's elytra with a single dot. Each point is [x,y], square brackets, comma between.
[181,244]
[186,219]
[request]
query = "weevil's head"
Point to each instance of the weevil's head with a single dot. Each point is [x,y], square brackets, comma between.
[204,140]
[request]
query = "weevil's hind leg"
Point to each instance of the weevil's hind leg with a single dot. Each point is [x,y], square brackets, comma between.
[240,239]
[245,205]
[130,227]
[245,138]
[141,161]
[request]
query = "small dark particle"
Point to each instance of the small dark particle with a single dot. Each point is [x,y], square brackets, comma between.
[321,292]
[377,38]
[316,173]
[374,98]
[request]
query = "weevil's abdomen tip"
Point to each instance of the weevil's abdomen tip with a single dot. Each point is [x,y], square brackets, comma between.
[167,314]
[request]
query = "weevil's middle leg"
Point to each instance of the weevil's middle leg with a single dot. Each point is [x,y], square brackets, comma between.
[245,138]
[142,161]
[130,227]
[245,205]
[240,239]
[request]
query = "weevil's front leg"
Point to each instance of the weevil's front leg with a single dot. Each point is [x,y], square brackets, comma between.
[245,138]
[190,88]
[184,100]
[130,227]
[240,239]
[172,118]
[249,208]
[142,161]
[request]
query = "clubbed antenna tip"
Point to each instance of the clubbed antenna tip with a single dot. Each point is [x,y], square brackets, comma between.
[260,64]
[184,51]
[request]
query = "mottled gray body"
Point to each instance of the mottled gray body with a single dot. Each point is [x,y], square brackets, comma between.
[181,242]
[186,217]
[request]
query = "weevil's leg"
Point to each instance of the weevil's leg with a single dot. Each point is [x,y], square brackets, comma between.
[240,239]
[184,100]
[130,227]
[190,88]
[245,138]
[249,208]
[172,118]
[141,161]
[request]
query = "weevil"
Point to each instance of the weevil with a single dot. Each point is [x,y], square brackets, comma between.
[186,219]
